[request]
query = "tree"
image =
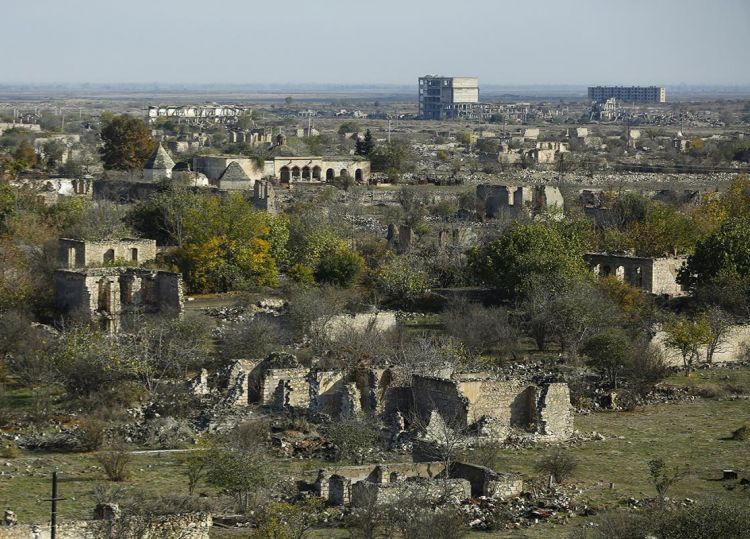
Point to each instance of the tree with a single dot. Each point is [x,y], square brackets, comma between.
[719,324]
[349,126]
[240,474]
[227,245]
[523,252]
[559,463]
[686,336]
[127,143]
[724,254]
[365,147]
[393,158]
[25,155]
[339,266]
[662,478]
[609,351]
[402,279]
[481,328]
[354,438]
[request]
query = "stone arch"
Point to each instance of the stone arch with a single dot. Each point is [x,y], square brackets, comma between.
[344,173]
[330,174]
[284,172]
[305,172]
[358,175]
[316,172]
[295,172]
[606,270]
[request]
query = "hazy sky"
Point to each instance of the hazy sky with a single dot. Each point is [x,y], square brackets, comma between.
[376,41]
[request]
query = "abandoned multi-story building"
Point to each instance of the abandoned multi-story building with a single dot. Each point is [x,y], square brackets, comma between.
[443,97]
[653,275]
[91,286]
[512,201]
[633,94]
[245,171]
[192,113]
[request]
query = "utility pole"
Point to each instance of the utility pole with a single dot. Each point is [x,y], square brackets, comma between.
[389,131]
[54,499]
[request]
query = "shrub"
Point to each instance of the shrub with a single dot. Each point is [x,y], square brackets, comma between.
[10,451]
[559,463]
[353,438]
[91,434]
[115,462]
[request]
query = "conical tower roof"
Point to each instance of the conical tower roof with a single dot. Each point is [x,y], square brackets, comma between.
[234,173]
[159,160]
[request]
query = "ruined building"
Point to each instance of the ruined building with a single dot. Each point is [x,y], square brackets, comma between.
[633,94]
[469,402]
[652,275]
[244,171]
[159,166]
[511,201]
[91,286]
[439,95]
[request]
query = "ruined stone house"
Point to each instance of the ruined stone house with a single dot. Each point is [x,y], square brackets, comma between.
[76,253]
[285,170]
[492,407]
[512,201]
[388,483]
[90,285]
[652,275]
[159,166]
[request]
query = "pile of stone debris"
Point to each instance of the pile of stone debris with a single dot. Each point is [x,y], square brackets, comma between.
[553,504]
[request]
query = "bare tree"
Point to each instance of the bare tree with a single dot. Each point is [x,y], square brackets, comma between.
[719,324]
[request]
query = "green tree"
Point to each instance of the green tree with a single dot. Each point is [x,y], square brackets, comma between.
[240,474]
[723,255]
[687,336]
[522,252]
[339,266]
[365,147]
[395,157]
[349,127]
[127,143]
[402,279]
[609,351]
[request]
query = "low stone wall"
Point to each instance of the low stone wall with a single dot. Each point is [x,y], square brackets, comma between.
[733,348]
[189,526]
[487,482]
[424,490]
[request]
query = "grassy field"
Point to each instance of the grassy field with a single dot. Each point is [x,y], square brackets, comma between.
[693,434]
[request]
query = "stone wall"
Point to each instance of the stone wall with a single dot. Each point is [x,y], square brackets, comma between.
[653,275]
[734,347]
[555,419]
[487,482]
[73,253]
[344,324]
[497,406]
[188,526]
[511,201]
[423,491]
[334,485]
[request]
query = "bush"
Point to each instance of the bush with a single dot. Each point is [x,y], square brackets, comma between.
[559,463]
[91,434]
[354,438]
[115,462]
[339,266]
[10,451]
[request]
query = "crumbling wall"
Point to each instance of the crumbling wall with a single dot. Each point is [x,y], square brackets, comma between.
[284,388]
[555,412]
[487,482]
[426,491]
[186,526]
[734,347]
[334,485]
